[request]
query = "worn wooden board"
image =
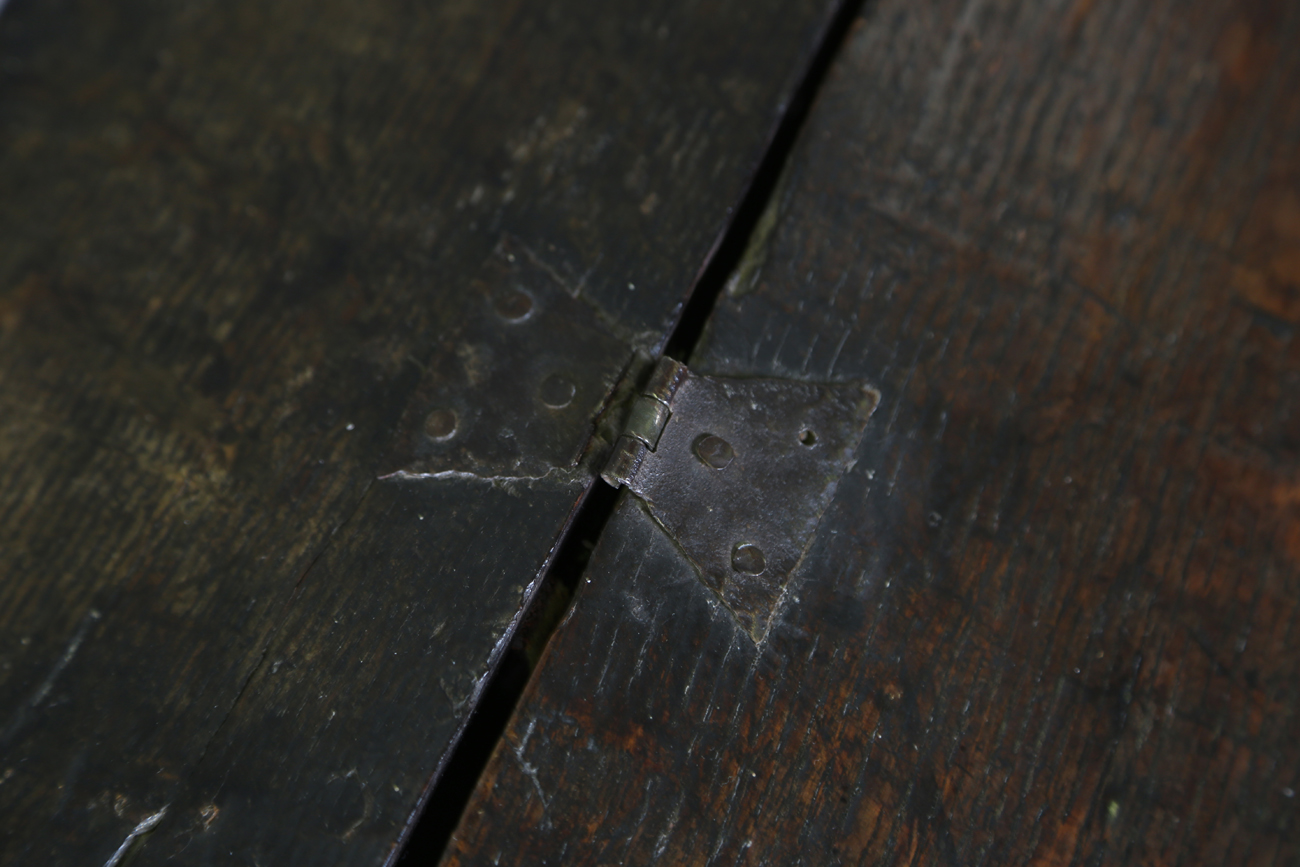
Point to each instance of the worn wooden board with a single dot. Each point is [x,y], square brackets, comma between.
[237,241]
[1051,615]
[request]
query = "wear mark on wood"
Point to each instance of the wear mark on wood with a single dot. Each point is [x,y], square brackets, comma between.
[738,472]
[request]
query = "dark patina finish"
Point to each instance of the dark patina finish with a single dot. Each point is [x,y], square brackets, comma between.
[240,242]
[740,473]
[511,394]
[1050,616]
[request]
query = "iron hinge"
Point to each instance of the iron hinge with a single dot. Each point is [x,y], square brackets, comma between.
[738,472]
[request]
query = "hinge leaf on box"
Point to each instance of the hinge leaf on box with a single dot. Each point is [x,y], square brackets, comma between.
[738,472]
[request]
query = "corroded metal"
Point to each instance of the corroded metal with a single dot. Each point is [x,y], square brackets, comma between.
[741,473]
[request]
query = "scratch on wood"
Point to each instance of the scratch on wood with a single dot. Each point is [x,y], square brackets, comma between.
[43,691]
[147,824]
[531,773]
[405,476]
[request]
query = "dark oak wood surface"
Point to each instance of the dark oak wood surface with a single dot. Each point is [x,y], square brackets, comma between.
[1051,615]
[237,240]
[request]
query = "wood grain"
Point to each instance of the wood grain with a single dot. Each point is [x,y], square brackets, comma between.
[231,238]
[1050,616]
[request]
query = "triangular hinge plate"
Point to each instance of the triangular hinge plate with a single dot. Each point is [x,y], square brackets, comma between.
[738,472]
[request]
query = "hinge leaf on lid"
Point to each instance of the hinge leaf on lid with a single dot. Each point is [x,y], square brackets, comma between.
[511,392]
[738,472]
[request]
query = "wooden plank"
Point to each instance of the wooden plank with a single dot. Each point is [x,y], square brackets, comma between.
[1050,616]
[238,242]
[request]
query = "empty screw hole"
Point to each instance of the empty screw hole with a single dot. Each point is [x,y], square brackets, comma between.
[807,437]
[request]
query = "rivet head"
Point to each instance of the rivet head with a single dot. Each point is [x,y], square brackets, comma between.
[748,559]
[440,425]
[557,391]
[513,305]
[714,451]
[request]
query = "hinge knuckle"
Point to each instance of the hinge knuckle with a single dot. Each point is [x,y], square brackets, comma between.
[647,420]
[622,466]
[667,377]
[645,423]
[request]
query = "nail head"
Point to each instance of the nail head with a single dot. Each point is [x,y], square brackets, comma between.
[714,451]
[748,558]
[514,305]
[440,425]
[557,391]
